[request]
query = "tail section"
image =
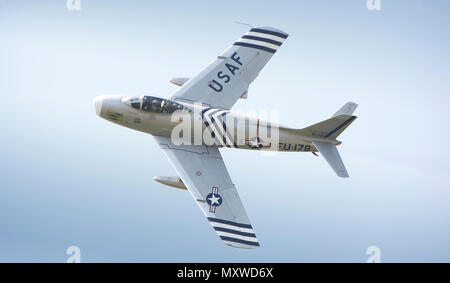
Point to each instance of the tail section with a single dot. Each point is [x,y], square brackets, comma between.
[323,136]
[330,128]
[333,127]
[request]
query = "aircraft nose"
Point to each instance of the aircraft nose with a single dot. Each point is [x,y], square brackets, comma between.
[98,102]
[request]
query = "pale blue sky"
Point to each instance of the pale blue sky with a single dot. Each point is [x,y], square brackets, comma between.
[70,178]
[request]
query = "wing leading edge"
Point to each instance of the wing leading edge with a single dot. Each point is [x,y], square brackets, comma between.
[204,173]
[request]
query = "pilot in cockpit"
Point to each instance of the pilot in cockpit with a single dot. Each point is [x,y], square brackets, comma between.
[153,104]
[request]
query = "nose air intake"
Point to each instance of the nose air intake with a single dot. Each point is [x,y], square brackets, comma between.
[98,102]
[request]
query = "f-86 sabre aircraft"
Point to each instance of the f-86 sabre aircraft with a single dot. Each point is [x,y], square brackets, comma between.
[203,104]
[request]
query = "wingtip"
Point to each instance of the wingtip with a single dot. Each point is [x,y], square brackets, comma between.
[342,173]
[242,246]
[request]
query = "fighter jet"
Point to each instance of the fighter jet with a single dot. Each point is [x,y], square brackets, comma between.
[194,122]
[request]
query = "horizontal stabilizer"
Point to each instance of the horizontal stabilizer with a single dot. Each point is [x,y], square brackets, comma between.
[331,155]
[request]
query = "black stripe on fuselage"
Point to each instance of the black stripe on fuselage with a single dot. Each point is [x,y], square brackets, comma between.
[209,115]
[225,133]
[213,115]
[204,110]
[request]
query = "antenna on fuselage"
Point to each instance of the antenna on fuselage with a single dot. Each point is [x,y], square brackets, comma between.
[245,24]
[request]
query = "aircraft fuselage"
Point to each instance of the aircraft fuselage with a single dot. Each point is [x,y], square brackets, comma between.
[198,124]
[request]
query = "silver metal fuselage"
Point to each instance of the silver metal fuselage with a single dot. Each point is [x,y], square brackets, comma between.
[234,130]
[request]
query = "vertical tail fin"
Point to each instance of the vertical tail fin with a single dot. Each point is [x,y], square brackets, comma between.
[323,136]
[334,126]
[348,109]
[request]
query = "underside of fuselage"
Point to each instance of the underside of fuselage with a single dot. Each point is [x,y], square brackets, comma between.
[196,124]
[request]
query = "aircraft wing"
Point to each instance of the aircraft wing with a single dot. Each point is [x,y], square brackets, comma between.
[228,77]
[203,171]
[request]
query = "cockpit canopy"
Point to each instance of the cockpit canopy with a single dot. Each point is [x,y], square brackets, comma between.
[154,104]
